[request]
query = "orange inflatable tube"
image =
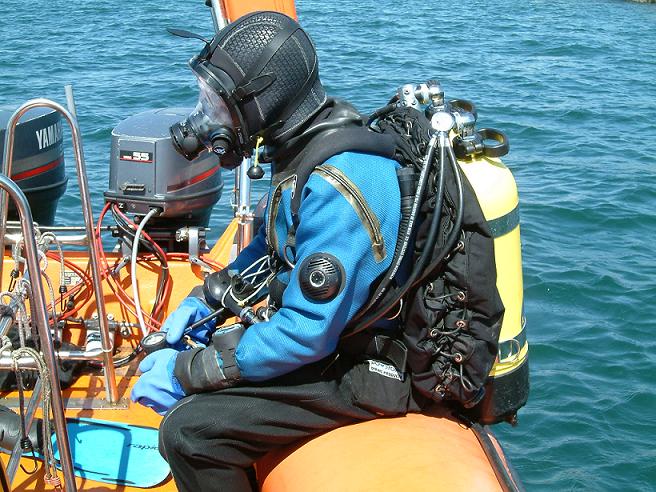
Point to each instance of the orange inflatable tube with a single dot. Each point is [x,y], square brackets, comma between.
[414,453]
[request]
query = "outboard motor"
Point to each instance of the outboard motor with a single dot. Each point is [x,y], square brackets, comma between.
[146,172]
[38,161]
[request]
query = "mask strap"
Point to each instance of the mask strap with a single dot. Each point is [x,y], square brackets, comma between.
[254,86]
[222,60]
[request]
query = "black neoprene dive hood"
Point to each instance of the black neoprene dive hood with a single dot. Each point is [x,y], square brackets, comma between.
[265,68]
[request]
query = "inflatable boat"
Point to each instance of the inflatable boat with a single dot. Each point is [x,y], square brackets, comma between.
[72,425]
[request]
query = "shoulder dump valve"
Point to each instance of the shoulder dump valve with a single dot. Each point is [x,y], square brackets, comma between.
[321,277]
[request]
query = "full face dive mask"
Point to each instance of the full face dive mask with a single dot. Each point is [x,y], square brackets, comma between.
[264,69]
[208,126]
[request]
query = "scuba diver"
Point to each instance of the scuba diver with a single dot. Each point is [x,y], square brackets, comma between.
[231,395]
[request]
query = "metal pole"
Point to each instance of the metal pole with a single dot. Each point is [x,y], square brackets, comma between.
[27,362]
[4,209]
[40,318]
[6,322]
[108,362]
[218,16]
[70,100]
[73,240]
[45,228]
[244,213]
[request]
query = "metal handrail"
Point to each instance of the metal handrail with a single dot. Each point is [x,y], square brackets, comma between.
[39,316]
[107,344]
[218,15]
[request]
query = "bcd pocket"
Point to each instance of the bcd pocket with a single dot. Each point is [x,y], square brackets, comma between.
[380,387]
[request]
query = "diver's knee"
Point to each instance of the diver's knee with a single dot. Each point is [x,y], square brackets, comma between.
[174,432]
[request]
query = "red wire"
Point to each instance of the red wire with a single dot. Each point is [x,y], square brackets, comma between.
[85,281]
[210,262]
[144,233]
[168,286]
[124,298]
[167,283]
[117,289]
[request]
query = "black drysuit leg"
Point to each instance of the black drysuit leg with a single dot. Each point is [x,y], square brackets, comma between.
[211,439]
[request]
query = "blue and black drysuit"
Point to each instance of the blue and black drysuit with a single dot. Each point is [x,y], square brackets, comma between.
[293,384]
[303,330]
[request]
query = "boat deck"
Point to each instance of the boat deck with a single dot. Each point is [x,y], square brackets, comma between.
[87,390]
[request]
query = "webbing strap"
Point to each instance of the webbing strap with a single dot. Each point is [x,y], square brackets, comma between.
[225,342]
[504,224]
[225,62]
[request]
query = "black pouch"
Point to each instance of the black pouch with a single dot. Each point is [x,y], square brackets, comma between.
[379,387]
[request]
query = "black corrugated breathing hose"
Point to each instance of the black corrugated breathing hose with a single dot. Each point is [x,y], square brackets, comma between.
[457,225]
[429,246]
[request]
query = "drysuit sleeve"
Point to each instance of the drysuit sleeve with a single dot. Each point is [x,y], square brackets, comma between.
[256,249]
[306,330]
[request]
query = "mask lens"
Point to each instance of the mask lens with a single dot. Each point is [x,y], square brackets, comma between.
[213,105]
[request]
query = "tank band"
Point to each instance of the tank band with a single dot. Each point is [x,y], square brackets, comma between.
[504,224]
[512,348]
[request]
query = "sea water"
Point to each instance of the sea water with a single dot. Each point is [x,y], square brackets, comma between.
[572,83]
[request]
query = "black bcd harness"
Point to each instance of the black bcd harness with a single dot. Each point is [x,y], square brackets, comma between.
[450,317]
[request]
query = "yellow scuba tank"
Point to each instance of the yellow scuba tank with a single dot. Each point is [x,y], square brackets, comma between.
[494,185]
[464,291]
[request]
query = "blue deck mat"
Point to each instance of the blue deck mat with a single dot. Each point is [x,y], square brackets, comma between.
[117,453]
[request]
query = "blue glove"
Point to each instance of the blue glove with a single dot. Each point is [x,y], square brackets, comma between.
[190,310]
[157,387]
